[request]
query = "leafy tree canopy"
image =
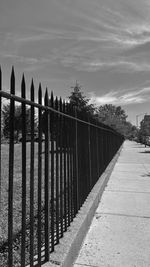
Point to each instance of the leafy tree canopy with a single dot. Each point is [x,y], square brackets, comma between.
[17,120]
[115,117]
[109,114]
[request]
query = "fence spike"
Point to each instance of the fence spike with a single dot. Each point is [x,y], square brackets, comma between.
[46,98]
[60,104]
[56,103]
[0,131]
[32,182]
[12,82]
[40,94]
[64,106]
[32,90]
[23,87]
[52,100]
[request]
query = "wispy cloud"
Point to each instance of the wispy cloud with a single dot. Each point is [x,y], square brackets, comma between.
[98,37]
[119,98]
[19,58]
[88,64]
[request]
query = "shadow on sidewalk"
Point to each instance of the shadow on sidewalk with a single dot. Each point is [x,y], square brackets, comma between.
[146,175]
[145,152]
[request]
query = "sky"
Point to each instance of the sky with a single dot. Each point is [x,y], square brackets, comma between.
[104,45]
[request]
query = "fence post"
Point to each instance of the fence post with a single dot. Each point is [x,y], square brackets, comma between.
[0,134]
[39,172]
[76,160]
[32,179]
[47,140]
[61,167]
[11,172]
[57,172]
[23,95]
[68,165]
[65,169]
[52,172]
[89,148]
[97,150]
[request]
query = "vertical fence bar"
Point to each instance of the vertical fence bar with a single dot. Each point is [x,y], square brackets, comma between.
[89,149]
[39,172]
[61,171]
[47,140]
[71,179]
[0,135]
[52,173]
[91,159]
[107,154]
[32,179]
[57,173]
[11,172]
[76,166]
[64,161]
[86,158]
[71,162]
[97,151]
[94,156]
[68,167]
[23,240]
[104,148]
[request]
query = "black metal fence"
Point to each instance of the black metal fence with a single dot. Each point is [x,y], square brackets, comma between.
[50,176]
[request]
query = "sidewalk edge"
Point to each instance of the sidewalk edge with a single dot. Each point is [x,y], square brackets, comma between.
[67,250]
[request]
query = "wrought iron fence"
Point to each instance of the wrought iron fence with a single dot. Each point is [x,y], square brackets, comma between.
[50,176]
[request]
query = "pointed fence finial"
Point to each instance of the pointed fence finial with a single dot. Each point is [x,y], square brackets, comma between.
[23,87]
[12,81]
[64,106]
[56,103]
[40,94]
[52,100]
[32,90]
[60,104]
[46,98]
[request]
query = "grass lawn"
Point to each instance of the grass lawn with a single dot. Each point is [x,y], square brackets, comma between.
[17,200]
[17,195]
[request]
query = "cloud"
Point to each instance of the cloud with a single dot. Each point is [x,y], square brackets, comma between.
[83,63]
[98,37]
[20,58]
[120,98]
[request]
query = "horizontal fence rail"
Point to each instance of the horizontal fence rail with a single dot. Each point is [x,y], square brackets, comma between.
[51,159]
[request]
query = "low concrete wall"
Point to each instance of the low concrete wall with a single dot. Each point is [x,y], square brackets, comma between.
[67,250]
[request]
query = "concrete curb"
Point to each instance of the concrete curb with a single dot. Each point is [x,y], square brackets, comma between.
[67,250]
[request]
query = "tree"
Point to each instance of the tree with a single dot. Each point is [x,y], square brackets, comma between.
[17,121]
[129,131]
[77,99]
[115,117]
[109,114]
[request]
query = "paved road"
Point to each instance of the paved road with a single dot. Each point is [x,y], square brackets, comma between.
[120,231]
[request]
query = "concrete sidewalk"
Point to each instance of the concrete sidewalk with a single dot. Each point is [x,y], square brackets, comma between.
[120,231]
